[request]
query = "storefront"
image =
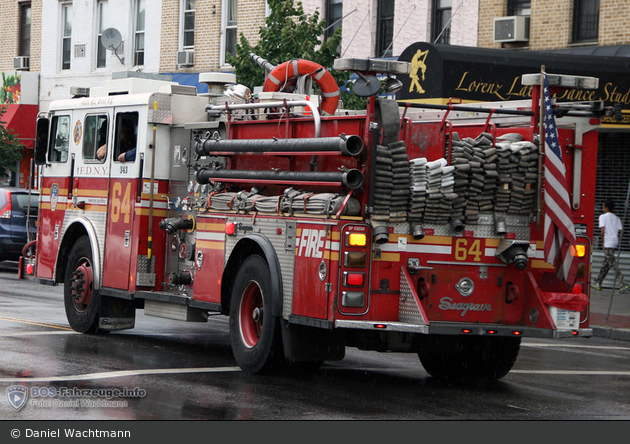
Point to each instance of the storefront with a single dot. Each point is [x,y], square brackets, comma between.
[19,91]
[443,73]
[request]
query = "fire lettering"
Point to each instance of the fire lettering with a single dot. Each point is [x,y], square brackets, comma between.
[312,243]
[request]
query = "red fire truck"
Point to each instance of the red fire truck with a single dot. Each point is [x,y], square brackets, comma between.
[403,227]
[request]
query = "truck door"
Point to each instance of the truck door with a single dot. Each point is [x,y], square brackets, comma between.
[53,142]
[123,187]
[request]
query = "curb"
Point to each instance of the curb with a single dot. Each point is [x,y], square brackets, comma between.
[619,334]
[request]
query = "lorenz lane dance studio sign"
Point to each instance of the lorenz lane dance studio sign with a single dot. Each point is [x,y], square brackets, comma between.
[443,72]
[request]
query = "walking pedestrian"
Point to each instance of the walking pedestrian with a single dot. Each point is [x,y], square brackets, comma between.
[611,227]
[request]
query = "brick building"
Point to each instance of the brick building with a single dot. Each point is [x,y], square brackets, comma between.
[380,28]
[590,30]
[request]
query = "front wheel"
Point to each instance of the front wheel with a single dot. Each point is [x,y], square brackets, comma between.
[468,357]
[254,331]
[80,300]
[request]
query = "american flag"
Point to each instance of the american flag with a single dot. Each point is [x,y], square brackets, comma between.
[559,230]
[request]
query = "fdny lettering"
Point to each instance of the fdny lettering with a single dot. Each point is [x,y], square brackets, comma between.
[312,243]
[92,170]
[447,304]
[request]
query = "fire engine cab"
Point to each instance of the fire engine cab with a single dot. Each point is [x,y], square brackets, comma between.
[402,227]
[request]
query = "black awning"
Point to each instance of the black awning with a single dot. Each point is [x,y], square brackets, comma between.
[605,51]
[471,74]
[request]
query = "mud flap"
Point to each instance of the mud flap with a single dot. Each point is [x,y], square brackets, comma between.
[304,343]
[116,314]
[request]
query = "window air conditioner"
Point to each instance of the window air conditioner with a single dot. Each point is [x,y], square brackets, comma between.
[185,58]
[511,29]
[22,62]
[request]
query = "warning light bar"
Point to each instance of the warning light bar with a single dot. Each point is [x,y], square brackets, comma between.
[562,81]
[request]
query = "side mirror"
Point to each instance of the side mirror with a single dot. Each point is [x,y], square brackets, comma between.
[41,140]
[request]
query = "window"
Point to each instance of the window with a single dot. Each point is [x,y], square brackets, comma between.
[585,20]
[519,7]
[385,28]
[441,23]
[95,137]
[230,14]
[126,137]
[60,138]
[188,37]
[334,13]
[138,42]
[66,39]
[101,51]
[25,29]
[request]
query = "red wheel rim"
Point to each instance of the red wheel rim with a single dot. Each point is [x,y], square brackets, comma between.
[251,315]
[82,279]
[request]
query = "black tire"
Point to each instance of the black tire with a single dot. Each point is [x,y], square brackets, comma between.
[254,331]
[466,358]
[80,300]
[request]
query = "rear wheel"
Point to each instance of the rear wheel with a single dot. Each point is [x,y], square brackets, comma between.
[254,331]
[468,357]
[80,300]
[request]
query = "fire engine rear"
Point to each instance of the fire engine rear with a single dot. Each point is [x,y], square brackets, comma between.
[403,227]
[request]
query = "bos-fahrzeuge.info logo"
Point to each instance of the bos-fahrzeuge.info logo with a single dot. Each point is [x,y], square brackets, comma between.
[17,396]
[73,397]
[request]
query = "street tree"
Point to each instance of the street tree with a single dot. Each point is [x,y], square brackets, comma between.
[289,33]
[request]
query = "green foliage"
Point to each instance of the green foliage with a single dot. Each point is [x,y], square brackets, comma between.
[290,34]
[10,148]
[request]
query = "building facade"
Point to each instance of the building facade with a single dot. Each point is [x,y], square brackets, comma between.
[592,31]
[558,24]
[384,28]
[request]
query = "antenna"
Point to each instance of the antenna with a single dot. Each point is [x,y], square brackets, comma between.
[111,39]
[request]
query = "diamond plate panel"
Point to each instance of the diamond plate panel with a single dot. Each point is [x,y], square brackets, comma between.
[145,276]
[286,255]
[163,112]
[97,220]
[517,224]
[408,310]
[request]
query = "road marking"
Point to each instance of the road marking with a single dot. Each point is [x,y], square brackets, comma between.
[574,372]
[41,324]
[124,373]
[598,347]
[37,333]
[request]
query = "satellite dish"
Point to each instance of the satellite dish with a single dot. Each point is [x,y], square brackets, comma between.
[111,38]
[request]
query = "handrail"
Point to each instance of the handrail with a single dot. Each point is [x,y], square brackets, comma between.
[218,109]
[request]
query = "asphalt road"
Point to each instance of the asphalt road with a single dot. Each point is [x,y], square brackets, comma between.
[168,370]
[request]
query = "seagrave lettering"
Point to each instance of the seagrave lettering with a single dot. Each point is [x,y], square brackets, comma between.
[446,303]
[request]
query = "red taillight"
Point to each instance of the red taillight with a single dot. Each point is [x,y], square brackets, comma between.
[355,279]
[230,228]
[5,211]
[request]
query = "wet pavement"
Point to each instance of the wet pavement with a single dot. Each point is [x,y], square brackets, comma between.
[610,314]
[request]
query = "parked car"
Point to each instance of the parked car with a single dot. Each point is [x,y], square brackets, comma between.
[17,206]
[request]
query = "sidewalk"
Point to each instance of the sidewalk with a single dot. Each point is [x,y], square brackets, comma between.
[610,314]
